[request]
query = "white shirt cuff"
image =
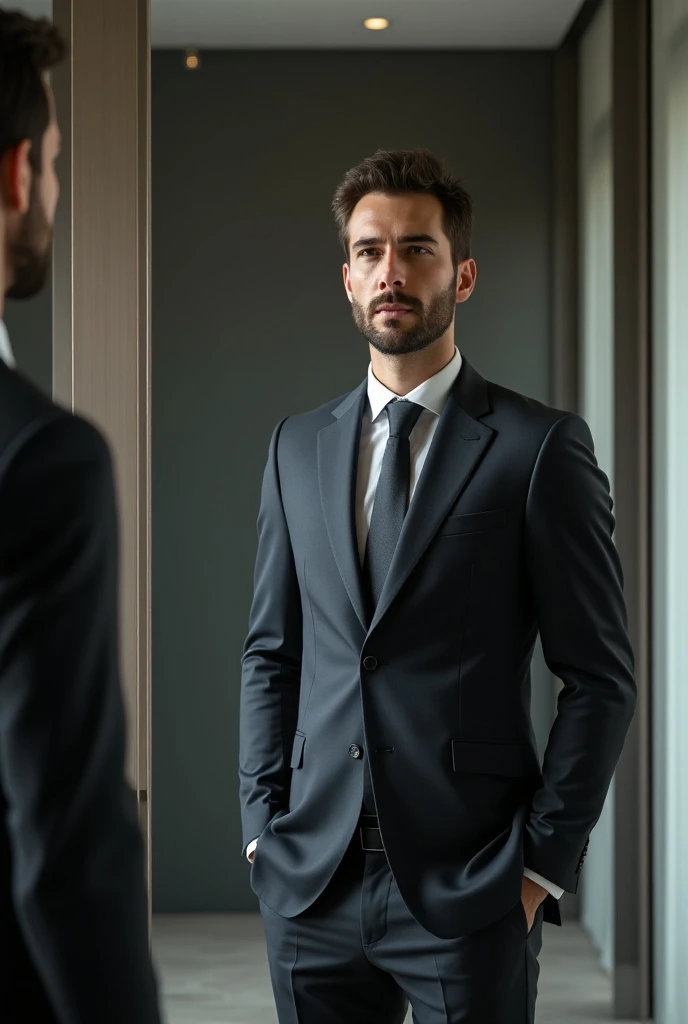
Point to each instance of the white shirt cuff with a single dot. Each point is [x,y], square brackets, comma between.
[251,847]
[554,890]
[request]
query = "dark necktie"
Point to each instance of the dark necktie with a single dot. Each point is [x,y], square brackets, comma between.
[392,495]
[389,511]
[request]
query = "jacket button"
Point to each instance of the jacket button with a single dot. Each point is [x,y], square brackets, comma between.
[370,663]
[355,750]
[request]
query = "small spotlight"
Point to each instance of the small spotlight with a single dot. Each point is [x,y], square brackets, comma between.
[376,24]
[192,61]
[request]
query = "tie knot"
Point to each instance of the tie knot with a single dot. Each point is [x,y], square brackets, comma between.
[402,416]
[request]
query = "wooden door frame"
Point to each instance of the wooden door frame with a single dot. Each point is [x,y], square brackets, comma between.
[101,301]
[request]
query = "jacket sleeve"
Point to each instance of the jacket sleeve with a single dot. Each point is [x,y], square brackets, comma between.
[577,583]
[271,665]
[77,851]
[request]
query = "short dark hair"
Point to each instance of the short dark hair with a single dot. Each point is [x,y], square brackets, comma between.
[28,48]
[406,171]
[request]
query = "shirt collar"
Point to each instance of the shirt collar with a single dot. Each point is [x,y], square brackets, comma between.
[5,347]
[431,394]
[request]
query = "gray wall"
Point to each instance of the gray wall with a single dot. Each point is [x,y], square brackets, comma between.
[250,323]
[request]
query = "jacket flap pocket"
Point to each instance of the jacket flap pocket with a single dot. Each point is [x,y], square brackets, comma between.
[474,522]
[297,750]
[487,757]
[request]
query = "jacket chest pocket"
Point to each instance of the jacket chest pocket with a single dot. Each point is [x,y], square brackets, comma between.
[473,522]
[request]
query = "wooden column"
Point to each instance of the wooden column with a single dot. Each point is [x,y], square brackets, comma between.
[101,317]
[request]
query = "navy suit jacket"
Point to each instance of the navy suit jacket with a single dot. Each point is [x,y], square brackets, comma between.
[509,533]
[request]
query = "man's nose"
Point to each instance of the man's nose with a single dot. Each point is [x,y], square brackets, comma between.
[391,274]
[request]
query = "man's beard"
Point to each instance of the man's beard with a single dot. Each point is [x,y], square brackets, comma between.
[29,253]
[430,322]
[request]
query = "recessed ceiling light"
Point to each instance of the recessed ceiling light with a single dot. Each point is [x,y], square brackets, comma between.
[376,24]
[192,61]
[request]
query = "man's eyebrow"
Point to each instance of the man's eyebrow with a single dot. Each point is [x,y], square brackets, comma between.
[418,238]
[363,243]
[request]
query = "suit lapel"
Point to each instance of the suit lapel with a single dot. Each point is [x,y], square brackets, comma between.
[459,443]
[338,445]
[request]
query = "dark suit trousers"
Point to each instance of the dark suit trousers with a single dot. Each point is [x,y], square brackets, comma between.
[358,955]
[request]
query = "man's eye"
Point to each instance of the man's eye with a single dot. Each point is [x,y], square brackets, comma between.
[412,249]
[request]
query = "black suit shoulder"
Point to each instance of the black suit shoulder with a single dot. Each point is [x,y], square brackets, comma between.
[523,410]
[298,432]
[322,415]
[23,406]
[531,423]
[31,422]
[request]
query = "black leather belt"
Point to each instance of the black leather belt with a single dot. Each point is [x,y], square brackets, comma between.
[369,831]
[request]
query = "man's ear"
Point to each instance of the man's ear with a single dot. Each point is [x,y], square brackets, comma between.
[466,278]
[347,282]
[15,178]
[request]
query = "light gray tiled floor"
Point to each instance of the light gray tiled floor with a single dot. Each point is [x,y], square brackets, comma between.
[213,971]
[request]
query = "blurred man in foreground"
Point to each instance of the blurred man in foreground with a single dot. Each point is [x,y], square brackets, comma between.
[73,910]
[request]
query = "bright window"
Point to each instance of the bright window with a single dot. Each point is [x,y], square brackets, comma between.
[597,378]
[670,519]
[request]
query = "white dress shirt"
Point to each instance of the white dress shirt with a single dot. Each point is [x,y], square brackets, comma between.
[6,353]
[432,395]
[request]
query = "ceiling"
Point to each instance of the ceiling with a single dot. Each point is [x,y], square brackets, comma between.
[338,24]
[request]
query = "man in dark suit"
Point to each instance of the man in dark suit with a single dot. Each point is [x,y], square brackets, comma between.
[73,908]
[414,537]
